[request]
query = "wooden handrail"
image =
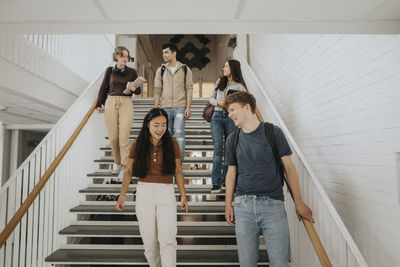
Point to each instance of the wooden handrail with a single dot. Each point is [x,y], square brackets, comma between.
[310,229]
[15,220]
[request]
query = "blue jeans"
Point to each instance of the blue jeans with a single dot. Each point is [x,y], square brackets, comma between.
[176,126]
[260,214]
[221,127]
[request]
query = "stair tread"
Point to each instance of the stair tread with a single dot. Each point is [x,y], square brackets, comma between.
[187,159]
[197,173]
[137,256]
[187,147]
[110,208]
[133,230]
[105,190]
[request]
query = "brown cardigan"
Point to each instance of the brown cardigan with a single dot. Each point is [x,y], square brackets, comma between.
[117,84]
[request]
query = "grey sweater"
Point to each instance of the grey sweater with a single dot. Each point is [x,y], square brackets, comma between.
[218,94]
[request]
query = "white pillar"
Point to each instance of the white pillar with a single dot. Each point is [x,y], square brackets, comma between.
[130,42]
[242,45]
[14,151]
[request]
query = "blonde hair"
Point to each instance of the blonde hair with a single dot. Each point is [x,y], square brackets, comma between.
[119,51]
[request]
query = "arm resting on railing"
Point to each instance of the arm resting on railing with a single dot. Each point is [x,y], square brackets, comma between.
[302,210]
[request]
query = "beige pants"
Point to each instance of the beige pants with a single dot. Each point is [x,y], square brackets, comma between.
[118,114]
[156,213]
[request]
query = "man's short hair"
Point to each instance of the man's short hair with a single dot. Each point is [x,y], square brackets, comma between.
[171,47]
[243,98]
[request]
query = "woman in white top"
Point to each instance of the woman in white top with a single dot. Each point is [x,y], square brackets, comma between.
[221,125]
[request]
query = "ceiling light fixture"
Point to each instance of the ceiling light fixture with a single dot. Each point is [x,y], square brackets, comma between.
[3,108]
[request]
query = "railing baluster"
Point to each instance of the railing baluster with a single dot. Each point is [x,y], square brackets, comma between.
[17,231]
[48,200]
[3,222]
[10,211]
[29,239]
[42,205]
[25,184]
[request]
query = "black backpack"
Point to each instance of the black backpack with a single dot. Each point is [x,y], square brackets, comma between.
[163,70]
[269,133]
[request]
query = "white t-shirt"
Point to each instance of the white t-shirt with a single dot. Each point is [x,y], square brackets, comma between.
[173,69]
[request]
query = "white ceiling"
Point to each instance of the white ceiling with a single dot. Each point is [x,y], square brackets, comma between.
[200,16]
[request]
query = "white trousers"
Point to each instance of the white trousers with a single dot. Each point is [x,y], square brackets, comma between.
[156,213]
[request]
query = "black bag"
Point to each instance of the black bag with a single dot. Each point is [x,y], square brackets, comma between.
[269,133]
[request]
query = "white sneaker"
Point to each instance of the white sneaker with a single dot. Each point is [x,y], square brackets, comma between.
[116,170]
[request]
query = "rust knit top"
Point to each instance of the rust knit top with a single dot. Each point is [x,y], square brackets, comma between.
[154,173]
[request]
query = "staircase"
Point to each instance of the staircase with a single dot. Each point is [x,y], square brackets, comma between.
[101,235]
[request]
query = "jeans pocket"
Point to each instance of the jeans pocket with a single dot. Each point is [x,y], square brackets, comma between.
[238,200]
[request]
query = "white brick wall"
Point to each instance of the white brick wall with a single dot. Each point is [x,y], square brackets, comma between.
[340,98]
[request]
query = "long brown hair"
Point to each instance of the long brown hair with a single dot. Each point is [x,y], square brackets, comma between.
[236,73]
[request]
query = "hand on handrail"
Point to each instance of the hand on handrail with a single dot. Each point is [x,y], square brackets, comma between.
[304,212]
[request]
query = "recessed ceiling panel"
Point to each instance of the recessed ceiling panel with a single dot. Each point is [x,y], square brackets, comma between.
[21,109]
[8,118]
[48,10]
[308,10]
[170,10]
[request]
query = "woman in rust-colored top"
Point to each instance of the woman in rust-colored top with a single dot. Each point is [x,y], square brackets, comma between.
[154,157]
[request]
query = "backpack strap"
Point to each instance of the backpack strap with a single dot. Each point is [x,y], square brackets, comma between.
[185,71]
[162,75]
[270,134]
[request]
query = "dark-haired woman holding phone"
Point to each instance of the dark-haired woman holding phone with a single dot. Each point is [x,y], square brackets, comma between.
[154,157]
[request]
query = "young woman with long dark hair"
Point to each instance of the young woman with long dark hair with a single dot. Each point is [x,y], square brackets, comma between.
[154,157]
[221,125]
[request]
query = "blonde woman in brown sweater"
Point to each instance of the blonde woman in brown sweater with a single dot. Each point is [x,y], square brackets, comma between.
[117,106]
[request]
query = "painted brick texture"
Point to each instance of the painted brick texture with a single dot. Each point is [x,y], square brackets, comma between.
[339,95]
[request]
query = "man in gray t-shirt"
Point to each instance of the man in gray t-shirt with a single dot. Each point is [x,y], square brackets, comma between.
[258,203]
[258,172]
